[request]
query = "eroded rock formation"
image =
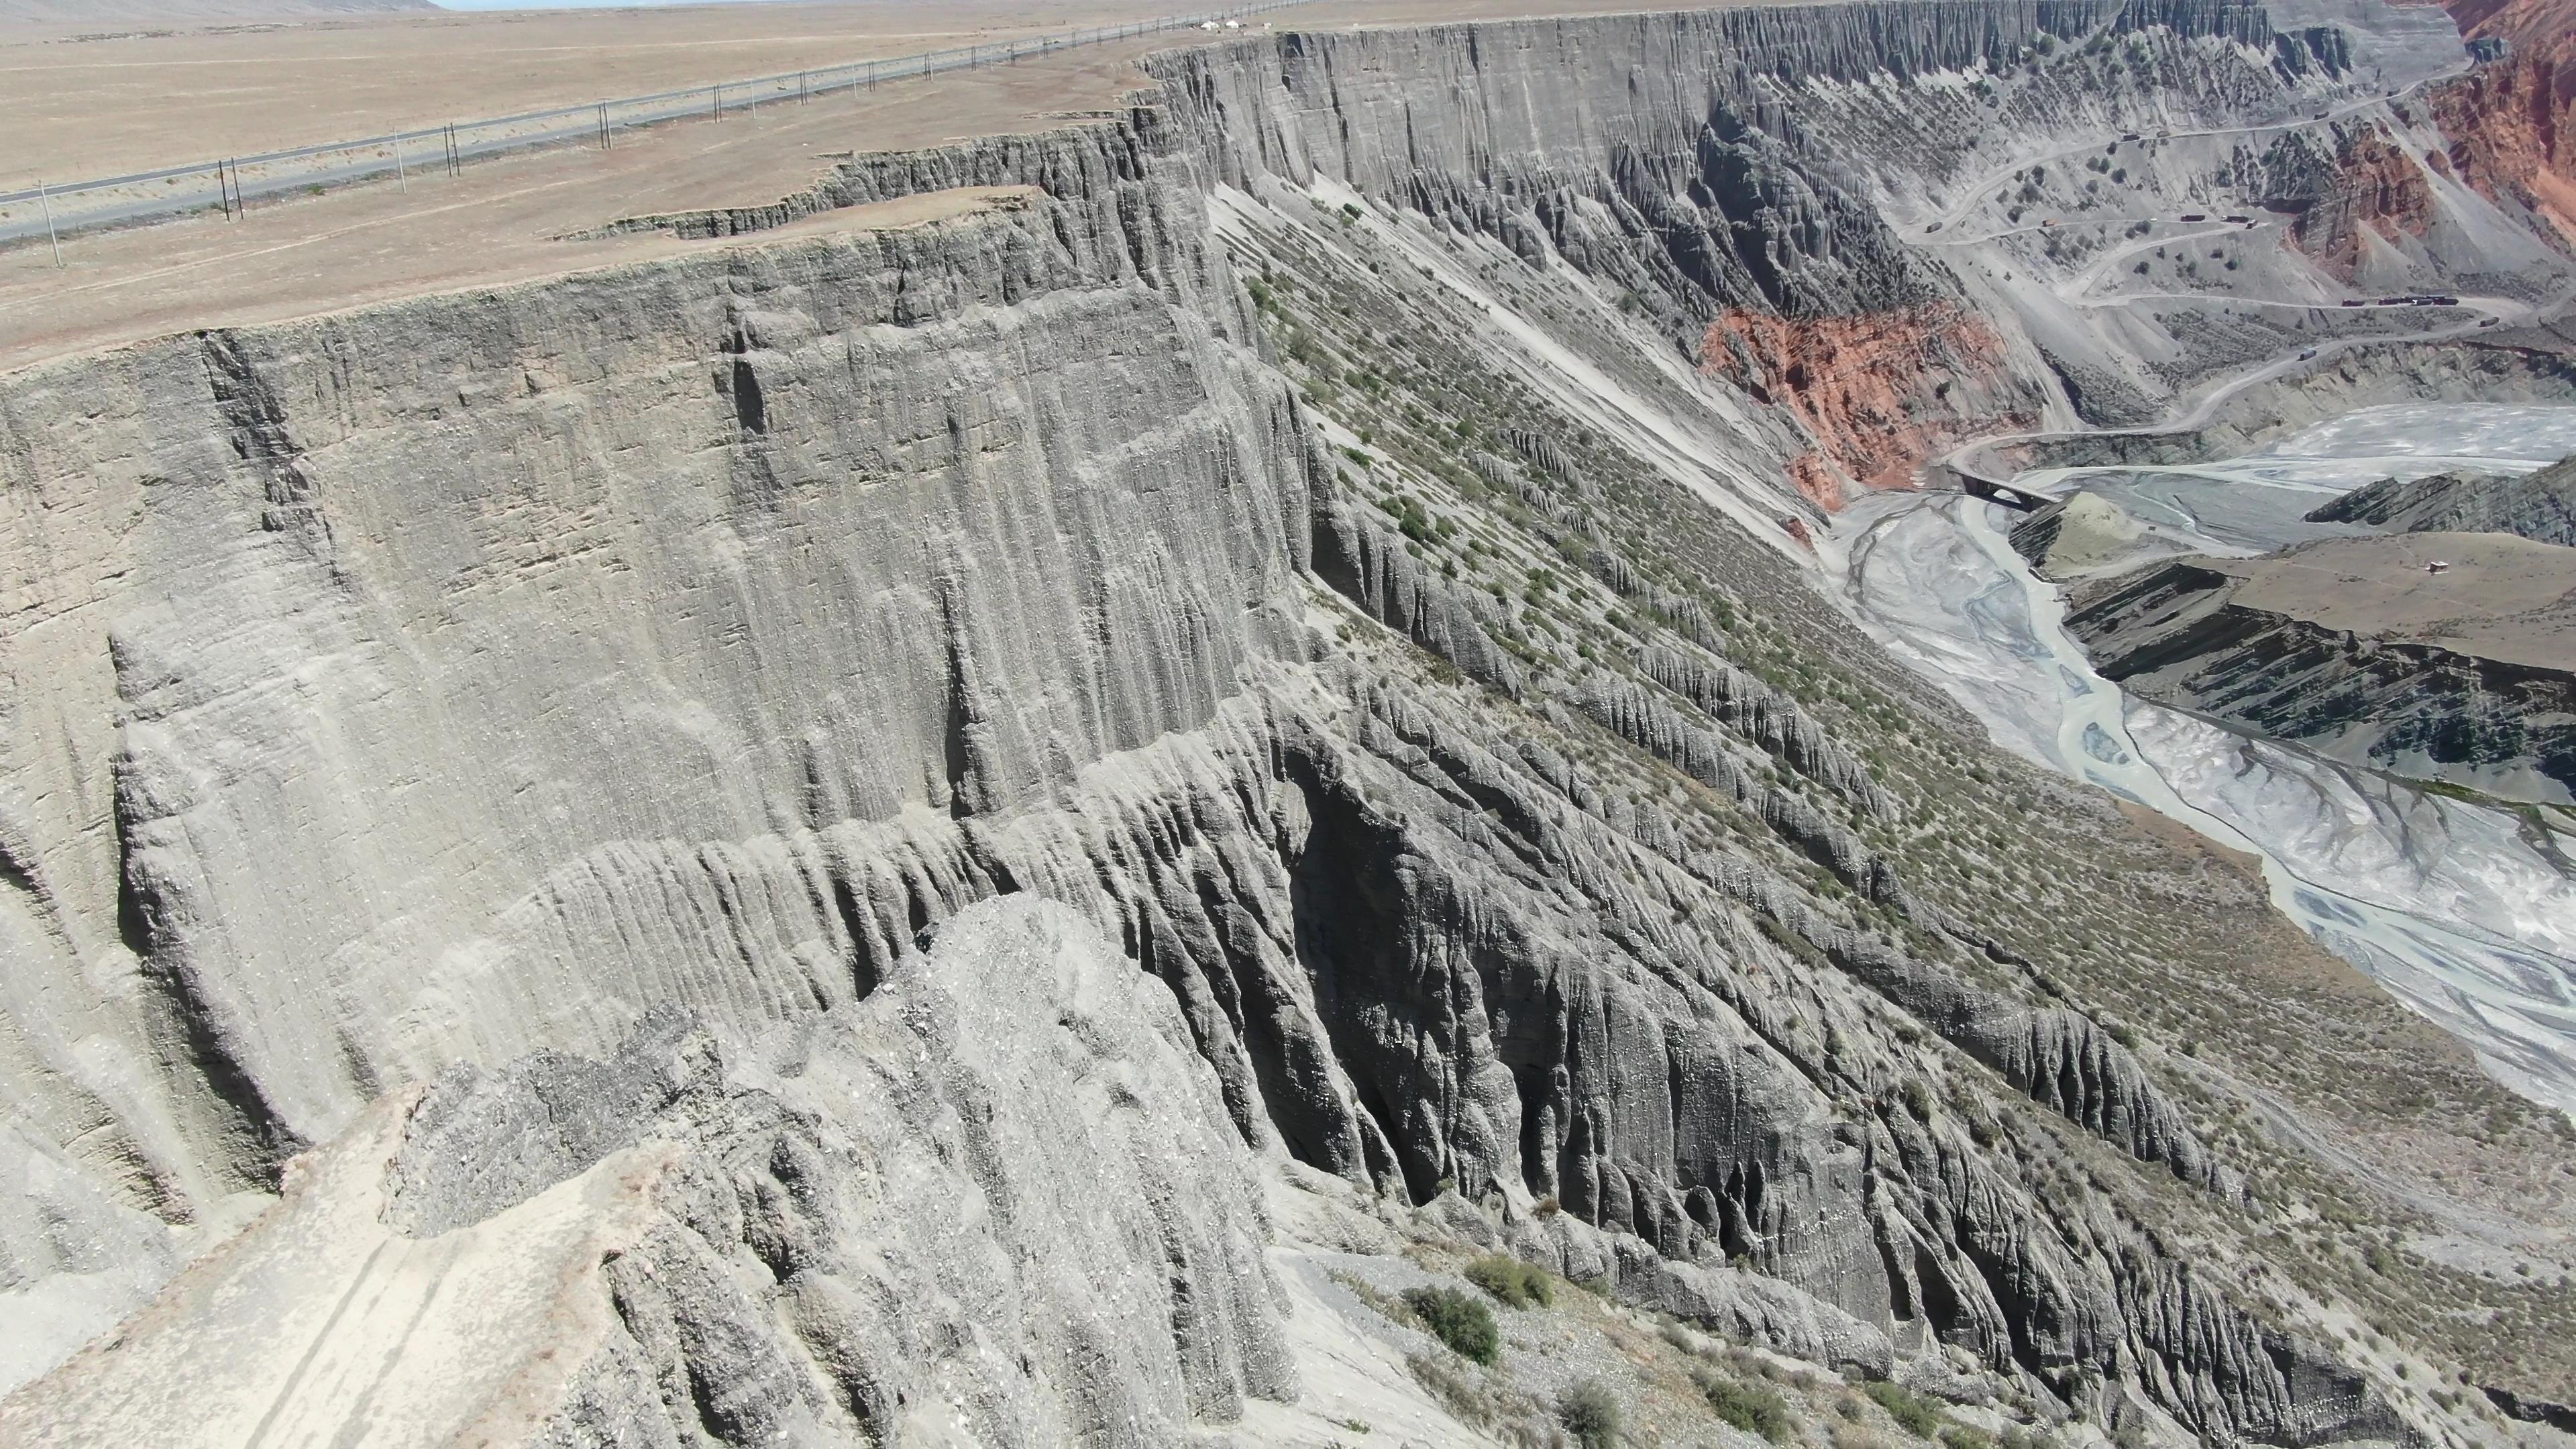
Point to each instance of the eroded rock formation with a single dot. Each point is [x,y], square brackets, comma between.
[479,679]
[2538,506]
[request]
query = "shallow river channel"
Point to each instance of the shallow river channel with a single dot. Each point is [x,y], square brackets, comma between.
[2464,912]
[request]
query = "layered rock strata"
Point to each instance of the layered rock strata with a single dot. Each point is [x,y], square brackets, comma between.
[2362,650]
[2538,506]
[472,679]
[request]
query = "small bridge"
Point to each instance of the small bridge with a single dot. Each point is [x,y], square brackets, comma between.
[2003,493]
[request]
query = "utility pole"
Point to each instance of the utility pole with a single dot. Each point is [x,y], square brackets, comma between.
[50,235]
[402,172]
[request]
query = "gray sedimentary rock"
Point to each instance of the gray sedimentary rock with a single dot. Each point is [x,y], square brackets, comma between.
[1369,564]
[469,680]
[1000,1201]
[2539,506]
[2396,689]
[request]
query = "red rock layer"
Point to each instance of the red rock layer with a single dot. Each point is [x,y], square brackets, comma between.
[1874,390]
[2513,124]
[2379,186]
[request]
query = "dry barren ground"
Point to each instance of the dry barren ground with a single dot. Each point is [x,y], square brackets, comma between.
[2497,596]
[85,102]
[500,220]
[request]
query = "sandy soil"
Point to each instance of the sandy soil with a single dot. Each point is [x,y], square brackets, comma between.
[499,221]
[140,98]
[94,100]
[96,14]
[2502,597]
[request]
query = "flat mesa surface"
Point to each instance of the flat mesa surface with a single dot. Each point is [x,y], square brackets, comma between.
[2502,598]
[80,102]
[503,220]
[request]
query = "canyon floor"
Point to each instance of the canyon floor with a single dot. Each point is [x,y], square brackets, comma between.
[1292,736]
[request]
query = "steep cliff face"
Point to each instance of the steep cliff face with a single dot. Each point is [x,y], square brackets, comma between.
[1870,388]
[1352,614]
[2375,190]
[2513,118]
[627,498]
[1697,195]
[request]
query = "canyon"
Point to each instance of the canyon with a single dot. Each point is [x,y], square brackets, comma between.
[998,799]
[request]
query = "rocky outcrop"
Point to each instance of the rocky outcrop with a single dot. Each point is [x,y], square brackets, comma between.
[469,680]
[2375,185]
[2511,120]
[1370,566]
[1000,1199]
[2085,534]
[1876,390]
[2539,506]
[2398,692]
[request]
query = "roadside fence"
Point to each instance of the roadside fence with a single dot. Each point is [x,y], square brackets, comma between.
[54,210]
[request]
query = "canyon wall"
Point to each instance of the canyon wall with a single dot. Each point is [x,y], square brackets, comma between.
[1506,817]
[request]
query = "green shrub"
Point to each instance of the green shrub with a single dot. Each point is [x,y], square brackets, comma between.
[1753,1408]
[1913,1413]
[1590,1412]
[1463,1323]
[1515,1283]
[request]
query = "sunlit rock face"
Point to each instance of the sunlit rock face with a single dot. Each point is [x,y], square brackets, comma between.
[803,804]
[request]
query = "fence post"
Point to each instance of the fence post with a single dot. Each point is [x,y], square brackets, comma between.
[48,203]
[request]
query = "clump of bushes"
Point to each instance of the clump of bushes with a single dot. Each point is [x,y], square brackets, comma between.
[1913,1413]
[1512,1282]
[1465,1324]
[1590,1413]
[1753,1408]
